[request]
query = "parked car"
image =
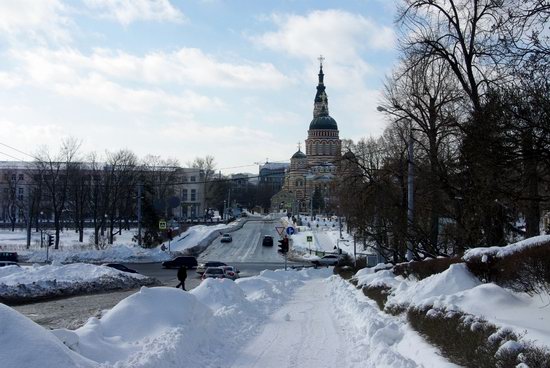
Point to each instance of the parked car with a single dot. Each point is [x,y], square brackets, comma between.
[231,272]
[267,241]
[328,260]
[187,261]
[213,272]
[226,238]
[8,263]
[203,266]
[120,267]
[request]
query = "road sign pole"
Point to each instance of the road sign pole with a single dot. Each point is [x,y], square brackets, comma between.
[285,259]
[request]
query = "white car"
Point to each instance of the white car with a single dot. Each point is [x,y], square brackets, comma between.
[328,260]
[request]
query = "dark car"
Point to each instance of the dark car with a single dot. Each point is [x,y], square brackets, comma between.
[9,256]
[187,261]
[226,238]
[267,241]
[203,266]
[120,267]
[8,263]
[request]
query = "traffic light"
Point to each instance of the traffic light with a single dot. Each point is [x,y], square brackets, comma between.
[50,240]
[283,244]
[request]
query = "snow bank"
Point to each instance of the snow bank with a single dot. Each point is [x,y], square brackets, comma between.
[23,343]
[456,289]
[27,283]
[508,249]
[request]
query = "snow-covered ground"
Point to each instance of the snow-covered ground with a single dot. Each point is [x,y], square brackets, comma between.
[456,289]
[304,318]
[123,249]
[28,283]
[325,235]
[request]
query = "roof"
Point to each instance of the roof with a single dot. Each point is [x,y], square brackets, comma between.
[323,122]
[299,154]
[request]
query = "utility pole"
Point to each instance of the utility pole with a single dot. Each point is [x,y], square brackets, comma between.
[28,222]
[410,194]
[139,212]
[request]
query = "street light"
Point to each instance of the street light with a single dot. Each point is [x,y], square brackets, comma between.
[410,182]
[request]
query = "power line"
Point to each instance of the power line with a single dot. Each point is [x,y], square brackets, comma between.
[5,154]
[17,150]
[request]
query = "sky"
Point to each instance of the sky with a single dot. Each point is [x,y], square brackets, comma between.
[188,78]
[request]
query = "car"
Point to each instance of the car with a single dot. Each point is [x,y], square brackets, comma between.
[267,241]
[187,261]
[328,260]
[120,267]
[213,273]
[8,263]
[226,238]
[230,272]
[9,256]
[203,266]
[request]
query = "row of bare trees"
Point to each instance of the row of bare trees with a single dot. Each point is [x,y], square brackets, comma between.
[471,93]
[76,190]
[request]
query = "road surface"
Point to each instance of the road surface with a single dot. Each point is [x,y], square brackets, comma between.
[245,252]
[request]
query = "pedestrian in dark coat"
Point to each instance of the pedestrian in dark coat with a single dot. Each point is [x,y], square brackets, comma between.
[182,275]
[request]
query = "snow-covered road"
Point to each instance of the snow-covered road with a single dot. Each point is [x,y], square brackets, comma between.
[246,245]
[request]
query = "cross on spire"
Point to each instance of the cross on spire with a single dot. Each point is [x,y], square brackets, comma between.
[321,58]
[299,146]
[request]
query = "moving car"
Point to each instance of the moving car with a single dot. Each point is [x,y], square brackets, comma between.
[213,272]
[120,267]
[226,238]
[328,260]
[230,272]
[203,266]
[267,241]
[187,261]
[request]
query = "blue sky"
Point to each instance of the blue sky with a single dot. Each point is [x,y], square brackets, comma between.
[181,79]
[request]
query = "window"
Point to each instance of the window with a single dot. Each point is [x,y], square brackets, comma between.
[185,178]
[13,176]
[184,195]
[193,178]
[21,177]
[193,194]
[20,190]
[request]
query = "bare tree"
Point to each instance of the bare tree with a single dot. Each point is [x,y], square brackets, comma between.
[55,177]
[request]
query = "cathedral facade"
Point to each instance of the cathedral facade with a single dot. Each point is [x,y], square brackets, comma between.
[314,170]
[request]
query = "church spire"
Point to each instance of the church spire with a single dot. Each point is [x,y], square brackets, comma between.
[320,106]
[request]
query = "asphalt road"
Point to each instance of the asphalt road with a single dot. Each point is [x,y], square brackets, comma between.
[245,252]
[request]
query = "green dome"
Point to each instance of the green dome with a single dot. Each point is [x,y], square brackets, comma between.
[299,154]
[323,122]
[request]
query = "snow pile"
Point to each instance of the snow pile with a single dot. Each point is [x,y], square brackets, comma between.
[507,250]
[456,289]
[23,343]
[19,284]
[389,341]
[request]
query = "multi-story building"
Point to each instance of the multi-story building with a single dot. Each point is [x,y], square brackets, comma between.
[191,190]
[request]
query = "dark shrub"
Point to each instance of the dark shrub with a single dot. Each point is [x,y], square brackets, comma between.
[526,271]
[473,342]
[426,268]
[377,293]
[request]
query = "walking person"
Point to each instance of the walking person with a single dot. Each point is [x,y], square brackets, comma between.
[182,275]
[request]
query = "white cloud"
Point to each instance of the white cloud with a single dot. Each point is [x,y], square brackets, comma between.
[128,11]
[337,34]
[39,21]
[186,66]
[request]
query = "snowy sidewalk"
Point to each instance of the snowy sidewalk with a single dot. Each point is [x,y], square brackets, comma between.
[303,333]
[329,323]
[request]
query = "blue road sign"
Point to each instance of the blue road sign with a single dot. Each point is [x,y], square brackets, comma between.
[290,230]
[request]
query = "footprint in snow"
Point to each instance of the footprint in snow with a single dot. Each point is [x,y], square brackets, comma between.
[287,317]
